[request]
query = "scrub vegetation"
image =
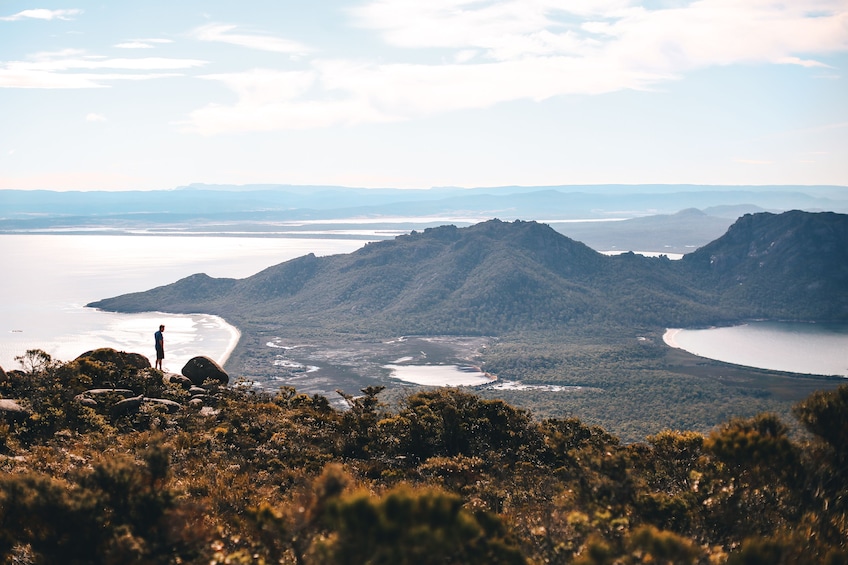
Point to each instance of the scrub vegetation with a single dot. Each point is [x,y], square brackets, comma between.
[444,476]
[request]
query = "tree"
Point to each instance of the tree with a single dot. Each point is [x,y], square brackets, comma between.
[413,526]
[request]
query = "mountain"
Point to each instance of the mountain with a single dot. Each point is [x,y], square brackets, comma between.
[792,265]
[498,277]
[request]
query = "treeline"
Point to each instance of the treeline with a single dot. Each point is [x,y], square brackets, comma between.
[443,477]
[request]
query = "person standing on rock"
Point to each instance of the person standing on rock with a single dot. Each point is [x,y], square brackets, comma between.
[160,347]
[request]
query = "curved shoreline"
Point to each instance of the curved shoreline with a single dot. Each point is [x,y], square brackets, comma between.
[235,336]
[198,317]
[669,335]
[770,346]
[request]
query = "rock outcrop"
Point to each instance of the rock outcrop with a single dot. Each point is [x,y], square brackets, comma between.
[200,369]
[123,384]
[121,359]
[171,406]
[127,406]
[180,380]
[10,410]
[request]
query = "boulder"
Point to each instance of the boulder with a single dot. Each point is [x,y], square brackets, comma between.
[127,406]
[171,406]
[12,411]
[86,401]
[121,359]
[195,403]
[195,390]
[201,369]
[102,391]
[176,379]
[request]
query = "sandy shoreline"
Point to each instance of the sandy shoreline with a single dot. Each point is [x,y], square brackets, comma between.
[235,336]
[669,335]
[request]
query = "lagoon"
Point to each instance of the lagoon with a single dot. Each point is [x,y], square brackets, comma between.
[440,375]
[797,347]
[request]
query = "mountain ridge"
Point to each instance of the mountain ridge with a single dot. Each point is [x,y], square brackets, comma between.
[496,277]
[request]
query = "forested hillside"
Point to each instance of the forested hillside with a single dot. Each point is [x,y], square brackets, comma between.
[497,277]
[792,266]
[442,477]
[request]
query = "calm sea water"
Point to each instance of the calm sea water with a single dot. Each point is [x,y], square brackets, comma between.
[48,279]
[818,349]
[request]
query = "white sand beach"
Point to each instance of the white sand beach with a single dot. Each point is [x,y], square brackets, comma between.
[669,335]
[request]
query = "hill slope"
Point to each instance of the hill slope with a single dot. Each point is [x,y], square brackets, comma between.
[497,277]
[790,265]
[565,316]
[490,278]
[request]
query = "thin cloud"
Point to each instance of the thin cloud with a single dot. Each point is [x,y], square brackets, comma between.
[346,93]
[61,70]
[803,62]
[141,43]
[133,45]
[222,33]
[93,117]
[507,50]
[42,14]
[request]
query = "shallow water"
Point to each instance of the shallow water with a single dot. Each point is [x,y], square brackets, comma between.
[438,375]
[817,349]
[48,279]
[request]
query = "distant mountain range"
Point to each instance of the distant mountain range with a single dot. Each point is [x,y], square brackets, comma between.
[657,218]
[498,277]
[20,209]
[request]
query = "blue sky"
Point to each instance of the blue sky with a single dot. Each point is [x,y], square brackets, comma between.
[405,93]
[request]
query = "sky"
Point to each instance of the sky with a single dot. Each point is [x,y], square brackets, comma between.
[132,95]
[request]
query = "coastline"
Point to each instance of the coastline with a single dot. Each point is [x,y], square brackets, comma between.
[669,335]
[235,336]
[201,322]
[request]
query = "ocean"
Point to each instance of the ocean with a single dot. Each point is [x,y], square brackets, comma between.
[48,279]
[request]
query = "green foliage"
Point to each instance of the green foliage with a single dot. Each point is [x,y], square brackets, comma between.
[825,414]
[113,513]
[407,526]
[445,476]
[495,278]
[447,423]
[34,360]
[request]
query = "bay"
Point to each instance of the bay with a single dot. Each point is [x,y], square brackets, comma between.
[797,347]
[48,280]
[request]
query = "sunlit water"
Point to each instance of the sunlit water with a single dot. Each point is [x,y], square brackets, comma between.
[48,279]
[818,349]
